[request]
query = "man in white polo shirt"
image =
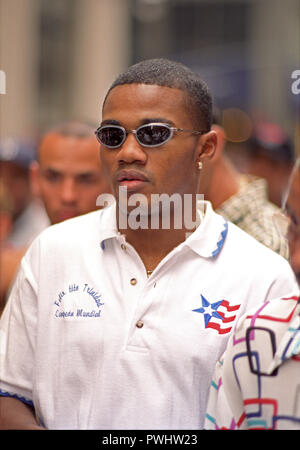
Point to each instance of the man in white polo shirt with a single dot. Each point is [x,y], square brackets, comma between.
[117,324]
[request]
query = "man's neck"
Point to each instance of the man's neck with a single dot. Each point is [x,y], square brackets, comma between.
[224,184]
[153,245]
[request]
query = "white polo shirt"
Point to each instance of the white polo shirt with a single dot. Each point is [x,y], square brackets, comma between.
[95,344]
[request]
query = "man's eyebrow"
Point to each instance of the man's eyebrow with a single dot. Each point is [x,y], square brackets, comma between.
[50,169]
[143,121]
[110,122]
[157,120]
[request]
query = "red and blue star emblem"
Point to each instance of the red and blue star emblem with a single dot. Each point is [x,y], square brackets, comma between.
[218,314]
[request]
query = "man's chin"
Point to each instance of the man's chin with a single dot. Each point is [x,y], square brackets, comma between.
[137,203]
[60,217]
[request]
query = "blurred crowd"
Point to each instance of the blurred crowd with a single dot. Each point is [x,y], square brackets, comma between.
[60,176]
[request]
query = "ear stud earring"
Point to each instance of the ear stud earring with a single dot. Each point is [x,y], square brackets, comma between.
[199,165]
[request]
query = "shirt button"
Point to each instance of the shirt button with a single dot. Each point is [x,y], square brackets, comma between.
[123,246]
[139,324]
[133,281]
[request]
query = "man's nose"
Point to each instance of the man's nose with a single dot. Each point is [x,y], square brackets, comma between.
[131,151]
[68,191]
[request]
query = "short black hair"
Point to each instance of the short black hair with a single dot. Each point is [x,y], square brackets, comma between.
[164,72]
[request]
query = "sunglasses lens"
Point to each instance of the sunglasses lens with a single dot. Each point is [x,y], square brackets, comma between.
[153,135]
[111,136]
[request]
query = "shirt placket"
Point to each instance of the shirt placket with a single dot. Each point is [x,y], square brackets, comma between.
[145,290]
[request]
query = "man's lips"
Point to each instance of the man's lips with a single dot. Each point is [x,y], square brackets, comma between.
[131,179]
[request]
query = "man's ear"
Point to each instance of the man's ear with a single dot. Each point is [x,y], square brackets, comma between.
[221,140]
[207,146]
[34,178]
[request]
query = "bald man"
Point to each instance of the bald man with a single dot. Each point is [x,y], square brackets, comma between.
[68,175]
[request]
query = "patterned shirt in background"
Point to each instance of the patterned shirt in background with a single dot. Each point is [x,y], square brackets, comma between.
[251,211]
[256,384]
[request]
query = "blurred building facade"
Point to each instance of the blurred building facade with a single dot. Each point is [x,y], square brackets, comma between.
[60,56]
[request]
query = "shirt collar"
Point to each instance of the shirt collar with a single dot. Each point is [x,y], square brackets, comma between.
[207,240]
[108,223]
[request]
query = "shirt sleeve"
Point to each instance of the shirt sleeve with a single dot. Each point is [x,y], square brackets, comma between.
[18,336]
[225,412]
[237,391]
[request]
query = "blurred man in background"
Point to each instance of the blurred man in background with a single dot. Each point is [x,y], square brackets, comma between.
[291,209]
[29,217]
[6,224]
[6,212]
[66,177]
[23,216]
[240,198]
[256,382]
[268,153]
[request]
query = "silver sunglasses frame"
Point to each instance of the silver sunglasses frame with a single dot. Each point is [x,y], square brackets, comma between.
[126,132]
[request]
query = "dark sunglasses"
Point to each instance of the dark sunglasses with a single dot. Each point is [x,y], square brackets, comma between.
[149,135]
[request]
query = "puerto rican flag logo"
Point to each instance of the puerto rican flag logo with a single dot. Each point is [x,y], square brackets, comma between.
[219,316]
